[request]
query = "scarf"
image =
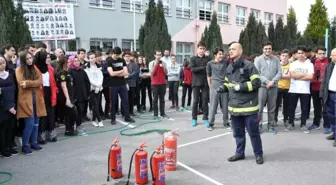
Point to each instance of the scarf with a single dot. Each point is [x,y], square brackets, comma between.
[4,75]
[40,61]
[72,65]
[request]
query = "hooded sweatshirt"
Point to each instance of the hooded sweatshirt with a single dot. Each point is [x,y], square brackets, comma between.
[319,70]
[95,76]
[174,72]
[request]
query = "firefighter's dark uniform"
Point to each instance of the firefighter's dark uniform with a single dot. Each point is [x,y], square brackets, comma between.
[242,81]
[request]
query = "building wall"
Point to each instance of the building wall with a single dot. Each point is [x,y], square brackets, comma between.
[117,24]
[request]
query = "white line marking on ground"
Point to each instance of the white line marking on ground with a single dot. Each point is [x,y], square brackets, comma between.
[199,173]
[124,123]
[205,139]
[188,111]
[216,136]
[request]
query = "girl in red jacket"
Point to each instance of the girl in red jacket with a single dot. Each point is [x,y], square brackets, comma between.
[186,84]
[47,129]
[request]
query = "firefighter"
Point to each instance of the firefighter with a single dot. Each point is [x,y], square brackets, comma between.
[242,81]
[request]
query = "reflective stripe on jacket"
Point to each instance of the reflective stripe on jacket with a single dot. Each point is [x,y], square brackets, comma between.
[245,100]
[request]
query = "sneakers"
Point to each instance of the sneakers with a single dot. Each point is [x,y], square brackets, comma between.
[165,117]
[193,122]
[129,120]
[36,147]
[27,150]
[6,154]
[289,128]
[95,124]
[326,130]
[272,130]
[70,133]
[304,129]
[206,123]
[100,124]
[81,130]
[210,128]
[314,127]
[228,126]
[13,152]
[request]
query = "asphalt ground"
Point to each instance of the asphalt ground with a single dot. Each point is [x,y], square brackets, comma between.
[291,158]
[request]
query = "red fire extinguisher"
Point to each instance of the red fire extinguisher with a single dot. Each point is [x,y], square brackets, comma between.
[170,150]
[157,164]
[141,165]
[114,161]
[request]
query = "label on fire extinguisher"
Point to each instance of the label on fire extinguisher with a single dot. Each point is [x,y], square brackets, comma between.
[170,156]
[143,168]
[161,175]
[119,163]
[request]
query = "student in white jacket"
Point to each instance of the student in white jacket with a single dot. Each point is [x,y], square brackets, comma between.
[96,79]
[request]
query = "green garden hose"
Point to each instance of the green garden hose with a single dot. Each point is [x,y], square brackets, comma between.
[10,177]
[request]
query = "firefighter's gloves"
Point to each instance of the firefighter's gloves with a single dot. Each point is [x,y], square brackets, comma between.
[236,87]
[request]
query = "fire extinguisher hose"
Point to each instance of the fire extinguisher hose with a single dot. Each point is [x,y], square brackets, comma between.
[108,164]
[130,167]
[151,167]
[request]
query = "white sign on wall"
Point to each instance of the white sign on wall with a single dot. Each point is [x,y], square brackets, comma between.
[50,21]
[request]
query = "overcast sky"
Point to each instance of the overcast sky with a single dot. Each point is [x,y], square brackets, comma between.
[302,9]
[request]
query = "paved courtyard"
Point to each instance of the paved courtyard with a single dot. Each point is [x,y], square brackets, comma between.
[291,158]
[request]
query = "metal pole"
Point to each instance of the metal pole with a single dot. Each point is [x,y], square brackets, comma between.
[134,37]
[54,14]
[326,40]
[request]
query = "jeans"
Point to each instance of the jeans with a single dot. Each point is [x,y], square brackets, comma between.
[159,92]
[81,106]
[173,90]
[304,102]
[268,96]
[205,99]
[186,88]
[146,84]
[331,110]
[215,99]
[284,99]
[94,103]
[251,123]
[31,126]
[6,133]
[319,110]
[123,93]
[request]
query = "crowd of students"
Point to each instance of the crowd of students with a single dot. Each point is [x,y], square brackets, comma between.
[40,90]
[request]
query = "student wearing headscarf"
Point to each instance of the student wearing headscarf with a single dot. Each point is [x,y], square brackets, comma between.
[47,130]
[81,84]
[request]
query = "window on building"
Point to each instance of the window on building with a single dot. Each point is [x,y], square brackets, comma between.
[183,8]
[268,18]
[279,16]
[64,1]
[183,51]
[166,6]
[223,13]
[102,44]
[67,45]
[127,5]
[256,14]
[205,10]
[241,16]
[103,3]
[128,45]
